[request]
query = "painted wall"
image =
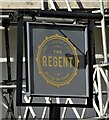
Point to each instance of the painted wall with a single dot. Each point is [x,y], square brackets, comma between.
[62,4]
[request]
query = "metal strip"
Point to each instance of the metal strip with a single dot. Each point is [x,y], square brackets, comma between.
[19,61]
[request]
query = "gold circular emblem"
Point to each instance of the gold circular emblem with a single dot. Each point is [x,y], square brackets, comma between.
[57,60]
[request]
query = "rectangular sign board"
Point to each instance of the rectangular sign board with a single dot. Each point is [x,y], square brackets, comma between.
[58,60]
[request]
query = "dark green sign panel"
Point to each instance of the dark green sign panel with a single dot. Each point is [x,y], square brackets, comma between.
[58,60]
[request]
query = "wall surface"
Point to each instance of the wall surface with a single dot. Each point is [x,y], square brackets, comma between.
[36,4]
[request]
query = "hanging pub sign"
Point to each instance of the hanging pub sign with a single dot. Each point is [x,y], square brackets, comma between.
[58,60]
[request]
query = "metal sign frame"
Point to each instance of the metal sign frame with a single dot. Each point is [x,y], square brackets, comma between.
[19,70]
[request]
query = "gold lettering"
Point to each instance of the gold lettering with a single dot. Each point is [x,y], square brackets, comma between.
[54,51]
[55,61]
[50,61]
[60,61]
[65,61]
[44,61]
[57,51]
[70,58]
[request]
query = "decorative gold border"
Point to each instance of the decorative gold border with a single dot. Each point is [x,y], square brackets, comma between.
[40,47]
